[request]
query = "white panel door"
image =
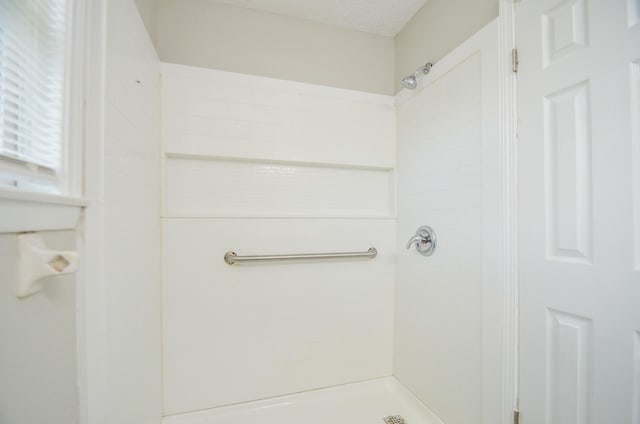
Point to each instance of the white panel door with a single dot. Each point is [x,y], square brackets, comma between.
[579,159]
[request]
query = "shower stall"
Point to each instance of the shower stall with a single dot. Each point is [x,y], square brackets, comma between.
[265,182]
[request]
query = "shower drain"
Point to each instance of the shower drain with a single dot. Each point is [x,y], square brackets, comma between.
[394,419]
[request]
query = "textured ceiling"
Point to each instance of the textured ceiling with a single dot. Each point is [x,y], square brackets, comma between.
[383,17]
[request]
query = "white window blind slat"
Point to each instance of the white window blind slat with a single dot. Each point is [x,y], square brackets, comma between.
[13,134]
[15,119]
[16,109]
[32,81]
[39,113]
[17,61]
[22,72]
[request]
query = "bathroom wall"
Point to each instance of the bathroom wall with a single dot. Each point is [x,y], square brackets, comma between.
[438,28]
[447,178]
[265,166]
[148,10]
[38,350]
[219,36]
[131,227]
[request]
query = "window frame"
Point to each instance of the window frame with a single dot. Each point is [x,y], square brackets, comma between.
[22,209]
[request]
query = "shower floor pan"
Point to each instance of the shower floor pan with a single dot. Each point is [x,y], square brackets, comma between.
[367,402]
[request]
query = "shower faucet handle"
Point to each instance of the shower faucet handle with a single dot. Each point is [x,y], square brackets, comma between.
[415,239]
[424,239]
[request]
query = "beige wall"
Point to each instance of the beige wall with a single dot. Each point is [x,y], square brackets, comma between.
[217,36]
[439,27]
[148,12]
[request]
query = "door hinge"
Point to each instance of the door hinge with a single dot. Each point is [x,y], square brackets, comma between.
[516,416]
[514,60]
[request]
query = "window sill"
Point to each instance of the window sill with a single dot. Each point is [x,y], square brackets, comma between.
[22,211]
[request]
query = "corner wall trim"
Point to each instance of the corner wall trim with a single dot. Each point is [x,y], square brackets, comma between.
[508,243]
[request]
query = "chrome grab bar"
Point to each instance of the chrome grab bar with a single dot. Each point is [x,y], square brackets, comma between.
[232,258]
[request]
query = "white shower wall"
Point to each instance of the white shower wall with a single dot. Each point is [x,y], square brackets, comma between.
[439,314]
[447,178]
[263,166]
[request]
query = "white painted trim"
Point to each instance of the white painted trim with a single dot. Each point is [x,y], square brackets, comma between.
[11,193]
[73,130]
[508,184]
[491,359]
[23,211]
[91,293]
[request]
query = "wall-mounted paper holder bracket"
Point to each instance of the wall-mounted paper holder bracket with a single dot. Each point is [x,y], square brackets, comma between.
[37,262]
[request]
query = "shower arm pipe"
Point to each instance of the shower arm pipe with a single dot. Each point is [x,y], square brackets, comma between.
[232,258]
[424,69]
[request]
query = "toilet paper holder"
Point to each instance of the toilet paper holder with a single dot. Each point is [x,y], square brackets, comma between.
[37,262]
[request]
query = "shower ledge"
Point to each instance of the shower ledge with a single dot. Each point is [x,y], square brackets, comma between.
[366,402]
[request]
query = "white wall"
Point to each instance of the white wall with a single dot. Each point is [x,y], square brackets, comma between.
[438,28]
[37,342]
[218,36]
[131,227]
[264,166]
[447,152]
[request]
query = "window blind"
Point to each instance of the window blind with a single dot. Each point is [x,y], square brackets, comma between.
[32,81]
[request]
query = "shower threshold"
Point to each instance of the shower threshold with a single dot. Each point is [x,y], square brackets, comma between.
[366,402]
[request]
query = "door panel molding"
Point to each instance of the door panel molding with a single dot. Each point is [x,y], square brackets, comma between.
[569,353]
[568,188]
